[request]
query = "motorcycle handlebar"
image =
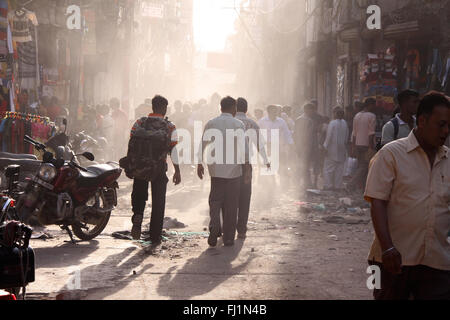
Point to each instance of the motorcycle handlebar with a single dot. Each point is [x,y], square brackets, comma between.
[38,145]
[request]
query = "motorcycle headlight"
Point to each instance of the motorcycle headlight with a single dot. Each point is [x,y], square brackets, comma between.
[47,172]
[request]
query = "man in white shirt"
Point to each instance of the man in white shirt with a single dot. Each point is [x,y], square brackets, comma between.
[363,142]
[336,151]
[273,123]
[225,173]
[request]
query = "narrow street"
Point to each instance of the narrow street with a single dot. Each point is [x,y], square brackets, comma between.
[288,254]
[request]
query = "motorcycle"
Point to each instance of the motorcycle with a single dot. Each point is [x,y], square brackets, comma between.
[66,194]
[16,256]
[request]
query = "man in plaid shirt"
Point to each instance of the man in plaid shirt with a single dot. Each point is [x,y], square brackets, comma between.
[139,196]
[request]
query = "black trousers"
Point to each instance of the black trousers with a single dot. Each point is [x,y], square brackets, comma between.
[245,197]
[224,197]
[417,282]
[139,199]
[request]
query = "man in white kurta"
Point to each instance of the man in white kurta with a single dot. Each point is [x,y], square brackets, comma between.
[336,151]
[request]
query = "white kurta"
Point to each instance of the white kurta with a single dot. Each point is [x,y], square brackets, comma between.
[336,147]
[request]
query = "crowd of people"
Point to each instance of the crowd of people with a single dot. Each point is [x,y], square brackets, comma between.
[405,176]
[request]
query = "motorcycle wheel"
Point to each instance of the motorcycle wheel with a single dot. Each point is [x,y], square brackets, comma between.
[87,235]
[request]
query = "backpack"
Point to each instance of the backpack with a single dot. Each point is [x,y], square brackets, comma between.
[147,150]
[396,124]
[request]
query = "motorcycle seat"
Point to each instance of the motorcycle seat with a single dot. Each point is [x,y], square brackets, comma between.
[26,165]
[96,174]
[8,155]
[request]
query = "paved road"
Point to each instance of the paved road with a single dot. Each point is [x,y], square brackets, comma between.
[287,255]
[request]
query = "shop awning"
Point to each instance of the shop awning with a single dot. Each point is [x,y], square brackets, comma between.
[349,35]
[396,31]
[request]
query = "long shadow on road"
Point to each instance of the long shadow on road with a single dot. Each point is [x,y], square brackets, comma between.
[202,275]
[110,276]
[65,255]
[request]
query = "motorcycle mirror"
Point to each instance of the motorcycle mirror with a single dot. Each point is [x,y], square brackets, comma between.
[89,156]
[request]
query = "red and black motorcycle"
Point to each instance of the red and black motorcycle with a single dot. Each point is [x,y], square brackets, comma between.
[64,193]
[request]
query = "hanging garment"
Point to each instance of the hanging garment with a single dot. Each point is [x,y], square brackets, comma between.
[412,66]
[21,21]
[445,78]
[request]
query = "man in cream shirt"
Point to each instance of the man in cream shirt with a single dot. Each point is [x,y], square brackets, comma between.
[409,189]
[225,174]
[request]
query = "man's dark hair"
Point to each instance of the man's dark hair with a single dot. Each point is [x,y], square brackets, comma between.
[242,105]
[159,103]
[369,102]
[405,95]
[429,102]
[227,104]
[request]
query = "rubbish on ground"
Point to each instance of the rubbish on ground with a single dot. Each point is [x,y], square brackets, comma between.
[358,211]
[41,236]
[170,223]
[333,237]
[346,201]
[314,192]
[344,220]
[320,207]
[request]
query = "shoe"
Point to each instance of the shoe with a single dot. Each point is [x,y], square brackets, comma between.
[136,232]
[212,240]
[242,236]
[228,243]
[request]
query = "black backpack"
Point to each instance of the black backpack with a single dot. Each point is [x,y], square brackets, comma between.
[396,124]
[147,150]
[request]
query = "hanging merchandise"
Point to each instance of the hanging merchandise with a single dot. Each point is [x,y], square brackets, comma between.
[412,69]
[446,77]
[434,70]
[379,73]
[21,22]
[15,126]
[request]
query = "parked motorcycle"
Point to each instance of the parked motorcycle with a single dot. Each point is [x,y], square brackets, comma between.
[66,194]
[16,257]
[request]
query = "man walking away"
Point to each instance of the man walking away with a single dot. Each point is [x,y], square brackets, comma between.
[409,189]
[304,138]
[246,186]
[225,177]
[404,122]
[152,138]
[336,151]
[363,140]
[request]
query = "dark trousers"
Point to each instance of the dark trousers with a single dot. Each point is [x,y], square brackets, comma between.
[244,206]
[417,282]
[224,197]
[360,178]
[139,199]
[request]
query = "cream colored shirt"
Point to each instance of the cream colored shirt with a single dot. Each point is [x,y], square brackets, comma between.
[418,202]
[364,126]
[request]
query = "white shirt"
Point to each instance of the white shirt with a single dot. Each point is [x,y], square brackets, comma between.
[336,140]
[279,124]
[225,169]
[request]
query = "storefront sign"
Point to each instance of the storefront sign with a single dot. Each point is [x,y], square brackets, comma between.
[374,21]
[73,14]
[153,10]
